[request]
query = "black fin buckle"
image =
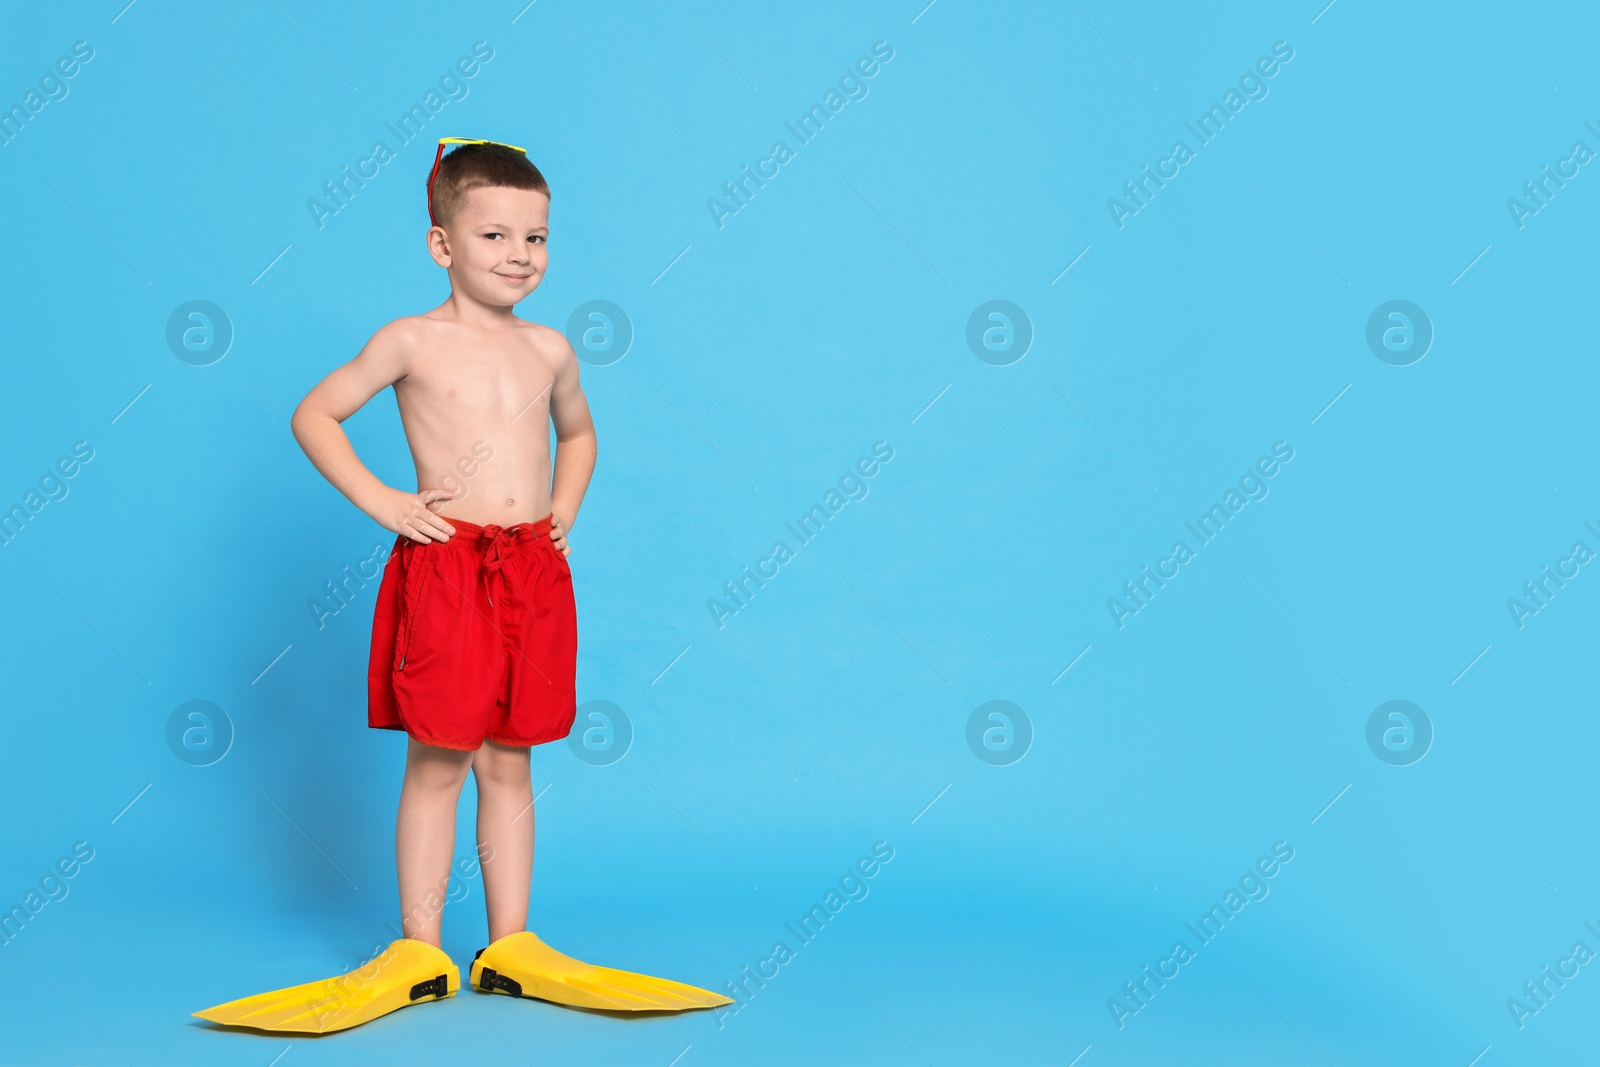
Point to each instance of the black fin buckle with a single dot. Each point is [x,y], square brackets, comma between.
[433,987]
[490,979]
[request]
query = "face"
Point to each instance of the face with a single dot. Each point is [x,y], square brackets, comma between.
[494,246]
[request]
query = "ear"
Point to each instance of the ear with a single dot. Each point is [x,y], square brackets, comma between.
[439,246]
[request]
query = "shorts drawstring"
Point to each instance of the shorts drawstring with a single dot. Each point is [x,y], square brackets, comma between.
[499,541]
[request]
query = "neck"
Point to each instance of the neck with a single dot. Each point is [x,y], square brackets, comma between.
[471,312]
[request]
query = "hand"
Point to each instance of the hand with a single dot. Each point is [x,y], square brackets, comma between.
[558,535]
[407,513]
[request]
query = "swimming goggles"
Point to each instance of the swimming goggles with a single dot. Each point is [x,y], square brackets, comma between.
[438,157]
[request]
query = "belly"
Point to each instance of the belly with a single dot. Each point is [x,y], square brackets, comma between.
[490,485]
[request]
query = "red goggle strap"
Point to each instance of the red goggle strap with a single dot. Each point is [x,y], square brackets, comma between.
[438,157]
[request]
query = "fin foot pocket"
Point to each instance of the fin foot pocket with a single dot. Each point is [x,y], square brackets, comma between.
[523,965]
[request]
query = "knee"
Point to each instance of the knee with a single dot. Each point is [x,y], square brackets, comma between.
[501,769]
[437,775]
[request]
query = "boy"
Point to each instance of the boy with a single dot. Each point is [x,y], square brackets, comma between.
[474,640]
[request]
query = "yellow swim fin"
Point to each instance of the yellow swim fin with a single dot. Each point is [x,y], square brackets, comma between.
[402,974]
[523,966]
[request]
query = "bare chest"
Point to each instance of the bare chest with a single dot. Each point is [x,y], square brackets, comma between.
[488,387]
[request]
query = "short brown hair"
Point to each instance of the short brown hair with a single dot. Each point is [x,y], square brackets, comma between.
[473,166]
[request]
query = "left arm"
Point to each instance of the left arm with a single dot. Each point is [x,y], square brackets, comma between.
[575,447]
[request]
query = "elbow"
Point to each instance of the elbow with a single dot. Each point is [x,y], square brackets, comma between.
[300,421]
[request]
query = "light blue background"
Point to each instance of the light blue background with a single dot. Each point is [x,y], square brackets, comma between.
[829,314]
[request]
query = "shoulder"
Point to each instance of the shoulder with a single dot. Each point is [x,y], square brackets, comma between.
[393,348]
[549,344]
[404,333]
[544,336]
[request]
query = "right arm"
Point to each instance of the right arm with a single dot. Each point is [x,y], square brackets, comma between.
[316,426]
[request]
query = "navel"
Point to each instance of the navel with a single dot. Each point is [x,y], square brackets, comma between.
[510,502]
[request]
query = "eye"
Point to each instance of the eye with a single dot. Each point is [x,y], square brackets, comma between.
[537,239]
[492,236]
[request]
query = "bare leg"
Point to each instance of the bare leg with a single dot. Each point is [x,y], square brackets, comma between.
[425,835]
[505,835]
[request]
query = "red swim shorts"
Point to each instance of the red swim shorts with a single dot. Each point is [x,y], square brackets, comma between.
[475,637]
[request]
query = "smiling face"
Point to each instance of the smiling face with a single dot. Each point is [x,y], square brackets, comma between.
[494,244]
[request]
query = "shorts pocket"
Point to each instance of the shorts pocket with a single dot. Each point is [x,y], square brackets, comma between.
[420,566]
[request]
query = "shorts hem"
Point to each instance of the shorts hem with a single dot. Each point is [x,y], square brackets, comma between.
[473,746]
[458,746]
[538,739]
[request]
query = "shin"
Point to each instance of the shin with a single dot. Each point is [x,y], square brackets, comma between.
[425,832]
[505,834]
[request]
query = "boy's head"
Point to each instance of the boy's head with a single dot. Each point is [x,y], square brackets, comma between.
[473,166]
[491,208]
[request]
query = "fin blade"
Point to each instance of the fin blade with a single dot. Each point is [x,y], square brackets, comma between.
[347,1000]
[662,991]
[681,990]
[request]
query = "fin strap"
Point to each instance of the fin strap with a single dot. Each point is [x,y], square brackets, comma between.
[433,987]
[490,979]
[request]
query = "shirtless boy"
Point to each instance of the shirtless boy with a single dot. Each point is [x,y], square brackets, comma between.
[474,643]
